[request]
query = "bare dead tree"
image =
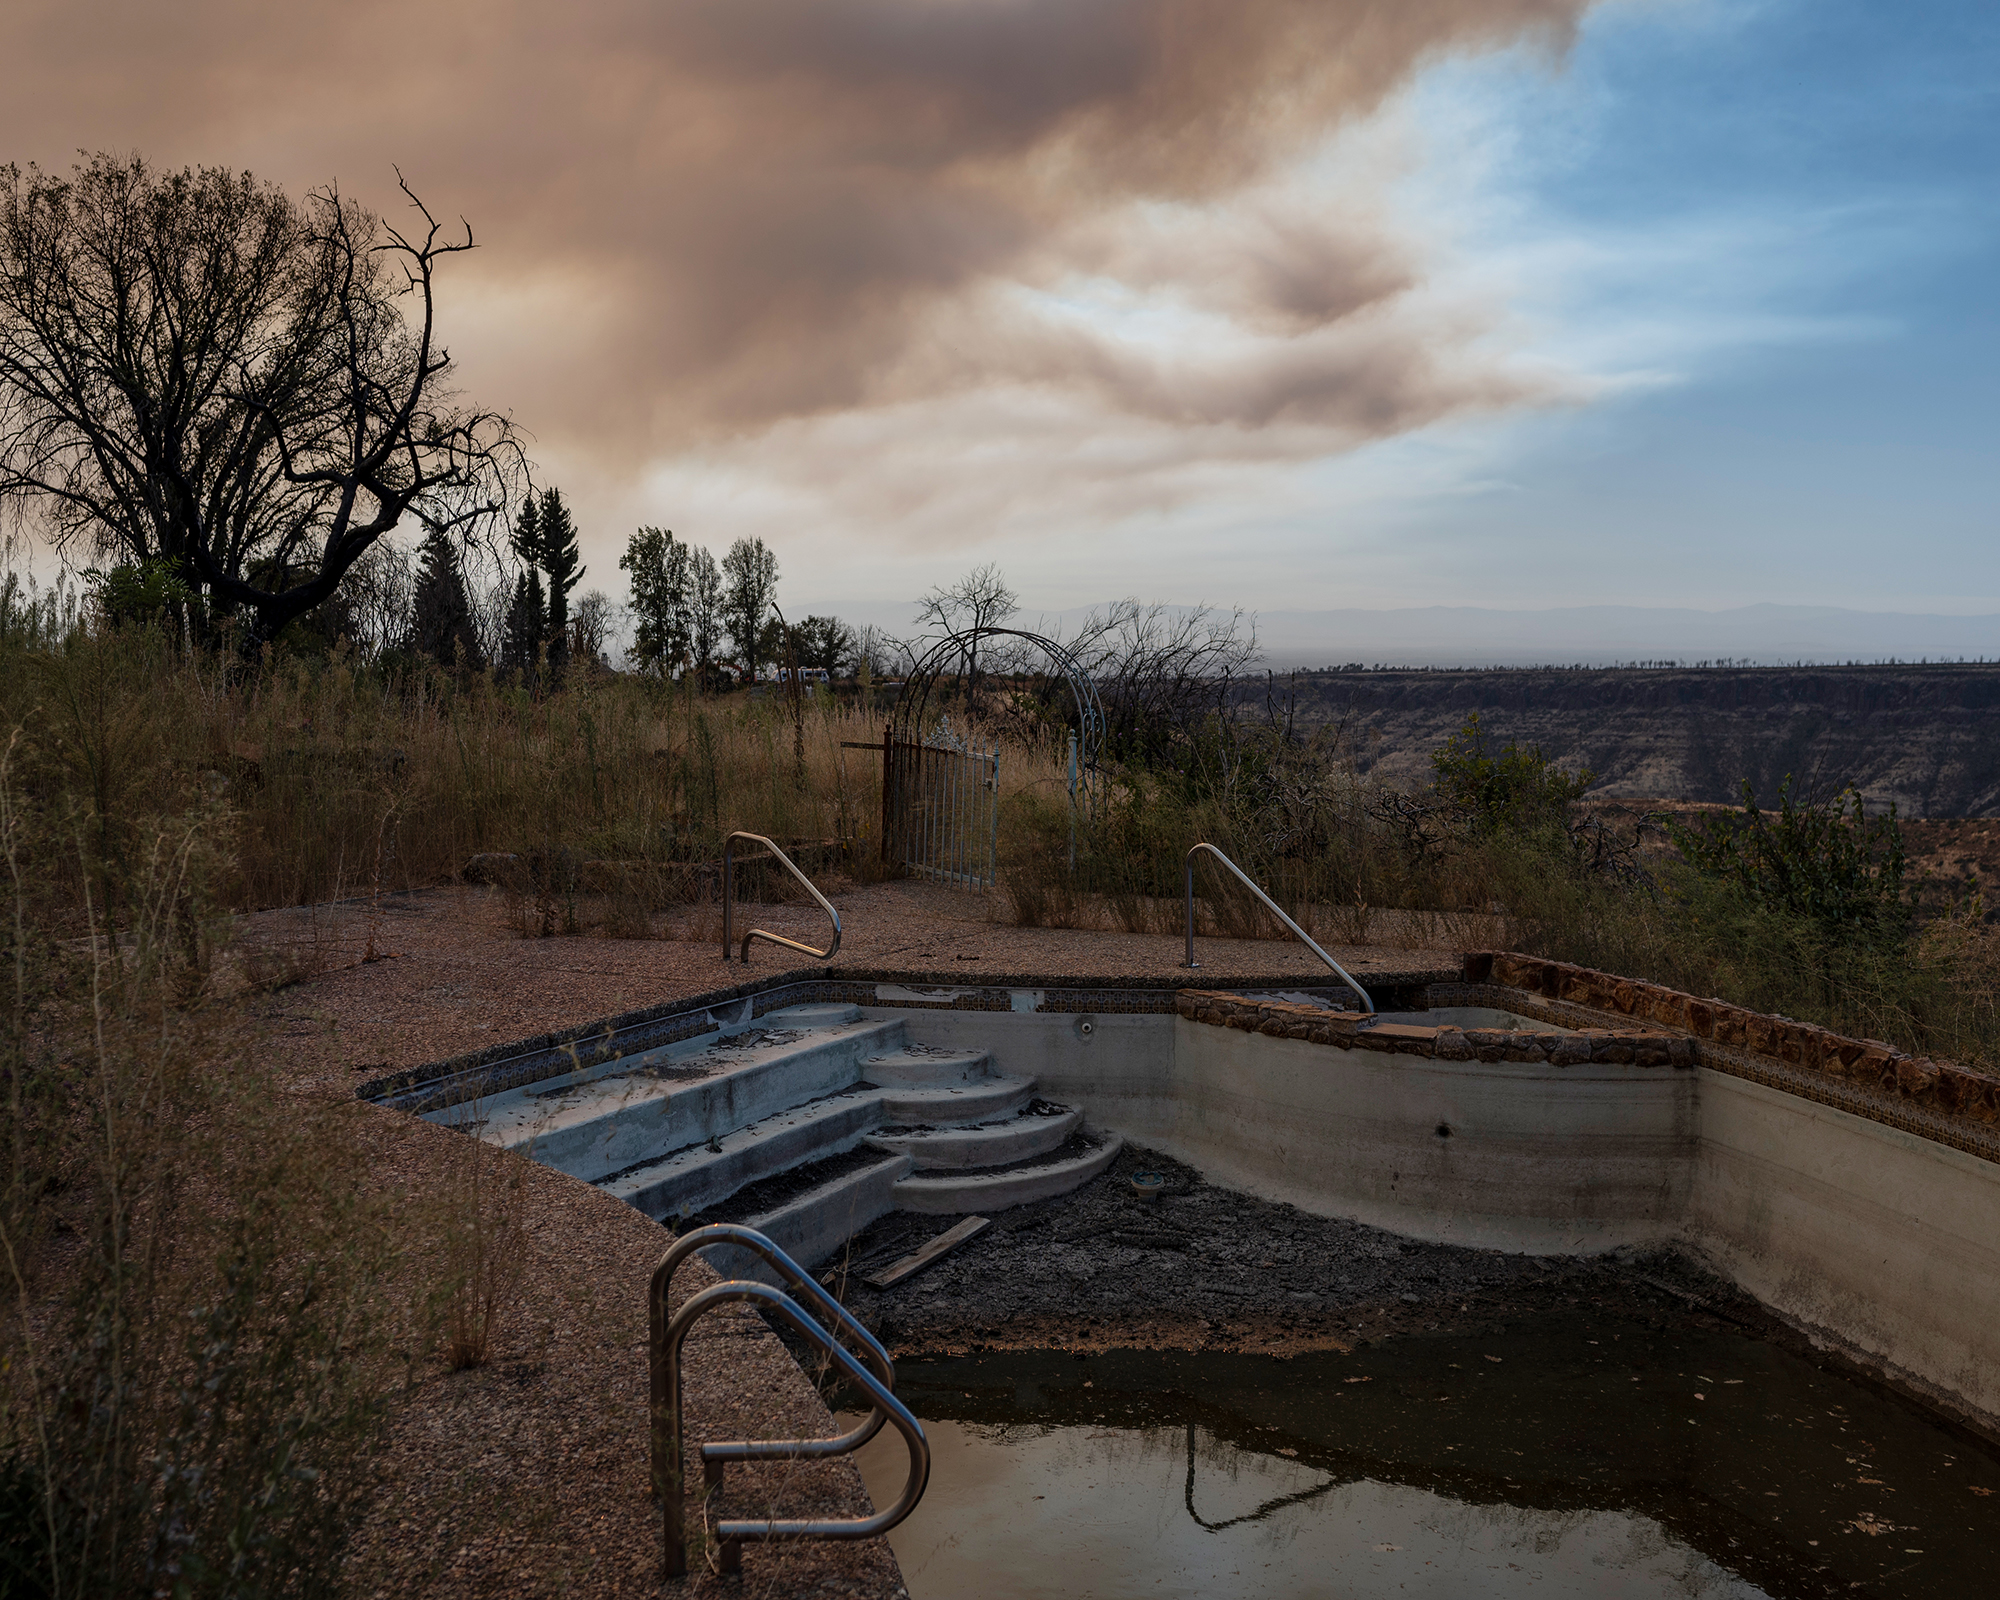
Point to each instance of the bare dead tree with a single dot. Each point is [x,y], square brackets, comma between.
[1161,671]
[887,656]
[198,371]
[371,608]
[980,599]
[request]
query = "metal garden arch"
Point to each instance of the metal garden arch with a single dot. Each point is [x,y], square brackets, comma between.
[937,798]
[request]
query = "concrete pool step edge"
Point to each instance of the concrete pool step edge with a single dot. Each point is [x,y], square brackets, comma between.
[697,1176]
[953,1105]
[593,1147]
[812,1226]
[654,1058]
[960,1193]
[928,1067]
[1016,1138]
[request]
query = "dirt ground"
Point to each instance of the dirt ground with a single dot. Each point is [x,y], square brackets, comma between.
[414,978]
[1206,1268]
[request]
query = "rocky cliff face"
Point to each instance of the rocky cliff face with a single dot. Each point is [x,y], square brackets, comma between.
[1927,738]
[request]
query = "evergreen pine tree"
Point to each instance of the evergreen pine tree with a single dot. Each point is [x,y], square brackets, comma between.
[441,611]
[527,624]
[563,562]
[528,611]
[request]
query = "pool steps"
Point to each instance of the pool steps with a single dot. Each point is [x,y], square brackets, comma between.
[677,1130]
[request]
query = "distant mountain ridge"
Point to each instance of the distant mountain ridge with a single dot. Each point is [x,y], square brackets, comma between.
[1925,737]
[1478,636]
[1760,635]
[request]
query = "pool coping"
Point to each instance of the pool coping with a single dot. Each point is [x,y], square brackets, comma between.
[1939,1101]
[1936,1100]
[433,1086]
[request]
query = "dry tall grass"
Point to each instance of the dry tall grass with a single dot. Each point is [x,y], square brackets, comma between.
[485,1237]
[202,1309]
[338,780]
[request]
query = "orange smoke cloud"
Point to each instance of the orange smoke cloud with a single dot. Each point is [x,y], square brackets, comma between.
[701,218]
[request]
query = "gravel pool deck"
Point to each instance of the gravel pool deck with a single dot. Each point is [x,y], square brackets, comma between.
[529,1476]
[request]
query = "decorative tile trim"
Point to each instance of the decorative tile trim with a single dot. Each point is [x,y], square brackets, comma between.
[1936,1100]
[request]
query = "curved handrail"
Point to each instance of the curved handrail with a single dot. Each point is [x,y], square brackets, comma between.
[830,1311]
[668,1432]
[1270,905]
[728,902]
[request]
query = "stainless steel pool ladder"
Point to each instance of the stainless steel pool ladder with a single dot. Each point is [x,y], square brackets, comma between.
[669,1333]
[729,902]
[1270,905]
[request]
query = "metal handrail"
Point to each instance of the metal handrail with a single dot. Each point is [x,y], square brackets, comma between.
[1270,905]
[668,1414]
[829,1309]
[728,903]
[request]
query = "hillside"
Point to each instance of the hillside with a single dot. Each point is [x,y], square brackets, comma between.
[1926,737]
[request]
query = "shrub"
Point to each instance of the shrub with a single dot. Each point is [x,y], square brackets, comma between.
[1826,863]
[1516,789]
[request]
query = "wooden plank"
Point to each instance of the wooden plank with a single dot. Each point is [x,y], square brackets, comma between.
[942,1245]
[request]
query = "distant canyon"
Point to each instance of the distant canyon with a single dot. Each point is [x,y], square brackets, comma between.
[1926,738]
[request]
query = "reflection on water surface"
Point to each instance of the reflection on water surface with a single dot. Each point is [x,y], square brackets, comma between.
[1569,1457]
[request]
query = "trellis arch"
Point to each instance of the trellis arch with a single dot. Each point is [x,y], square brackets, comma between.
[909,724]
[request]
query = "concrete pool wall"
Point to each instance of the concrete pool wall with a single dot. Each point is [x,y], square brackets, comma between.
[1880,1240]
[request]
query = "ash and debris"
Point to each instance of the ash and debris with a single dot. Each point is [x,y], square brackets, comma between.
[1207,1268]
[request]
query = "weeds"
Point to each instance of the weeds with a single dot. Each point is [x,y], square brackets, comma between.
[195,1339]
[486,1246]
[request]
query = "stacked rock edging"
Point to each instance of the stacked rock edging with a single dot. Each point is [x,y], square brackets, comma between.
[1357,1030]
[1941,1087]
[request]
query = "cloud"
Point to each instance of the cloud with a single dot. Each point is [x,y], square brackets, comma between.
[1097,242]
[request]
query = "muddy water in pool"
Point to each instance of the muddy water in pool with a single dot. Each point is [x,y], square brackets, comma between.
[1574,1456]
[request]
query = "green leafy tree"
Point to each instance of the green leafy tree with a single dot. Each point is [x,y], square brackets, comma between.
[660,570]
[1515,789]
[1826,863]
[142,592]
[750,584]
[706,622]
[823,643]
[826,643]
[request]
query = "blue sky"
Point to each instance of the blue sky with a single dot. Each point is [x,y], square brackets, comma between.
[1774,230]
[1760,242]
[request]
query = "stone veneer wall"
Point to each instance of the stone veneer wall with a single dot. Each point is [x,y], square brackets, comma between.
[1357,1030]
[1937,1099]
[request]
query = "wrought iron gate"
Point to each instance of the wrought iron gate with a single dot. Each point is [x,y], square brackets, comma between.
[941,809]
